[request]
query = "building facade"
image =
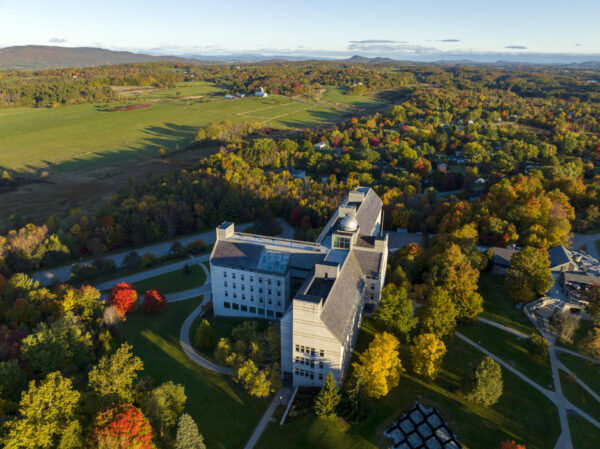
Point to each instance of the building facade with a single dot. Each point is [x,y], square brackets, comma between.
[319,290]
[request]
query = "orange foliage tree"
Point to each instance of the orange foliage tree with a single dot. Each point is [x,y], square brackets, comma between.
[511,445]
[124,297]
[154,301]
[122,427]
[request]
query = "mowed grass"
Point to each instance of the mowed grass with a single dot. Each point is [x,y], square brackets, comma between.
[338,94]
[522,414]
[498,307]
[175,281]
[87,136]
[225,414]
[577,396]
[588,372]
[584,435]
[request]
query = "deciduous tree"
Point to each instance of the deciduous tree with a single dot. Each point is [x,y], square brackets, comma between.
[427,352]
[439,314]
[122,427]
[395,311]
[529,274]
[154,301]
[124,297]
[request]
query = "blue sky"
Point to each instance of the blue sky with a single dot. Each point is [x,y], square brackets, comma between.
[308,27]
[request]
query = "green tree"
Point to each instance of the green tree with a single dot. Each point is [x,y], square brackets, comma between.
[328,398]
[12,382]
[483,382]
[204,336]
[537,345]
[358,401]
[112,379]
[188,436]
[163,406]
[439,313]
[47,412]
[529,274]
[395,311]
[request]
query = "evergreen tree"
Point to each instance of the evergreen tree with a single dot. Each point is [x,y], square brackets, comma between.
[359,407]
[328,398]
[188,436]
[483,382]
[205,336]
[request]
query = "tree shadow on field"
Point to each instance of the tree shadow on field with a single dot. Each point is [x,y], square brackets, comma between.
[315,118]
[170,136]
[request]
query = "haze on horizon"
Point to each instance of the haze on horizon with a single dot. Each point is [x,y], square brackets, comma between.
[397,29]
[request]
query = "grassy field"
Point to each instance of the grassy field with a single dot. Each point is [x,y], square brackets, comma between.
[588,372]
[338,95]
[90,135]
[497,306]
[225,414]
[583,434]
[577,396]
[175,281]
[477,427]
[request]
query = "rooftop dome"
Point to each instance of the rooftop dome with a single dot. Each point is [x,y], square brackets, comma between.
[349,224]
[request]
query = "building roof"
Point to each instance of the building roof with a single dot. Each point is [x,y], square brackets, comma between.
[559,255]
[502,256]
[368,211]
[236,254]
[574,277]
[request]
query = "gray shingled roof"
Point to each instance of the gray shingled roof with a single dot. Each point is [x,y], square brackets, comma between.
[581,278]
[236,254]
[369,261]
[368,212]
[502,256]
[340,307]
[559,255]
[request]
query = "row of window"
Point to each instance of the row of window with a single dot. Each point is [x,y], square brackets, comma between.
[309,351]
[251,309]
[307,373]
[307,362]
[260,300]
[243,277]
[260,290]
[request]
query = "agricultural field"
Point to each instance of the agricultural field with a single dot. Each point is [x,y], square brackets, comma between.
[80,137]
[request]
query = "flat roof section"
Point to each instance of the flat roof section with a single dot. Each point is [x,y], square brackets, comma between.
[320,287]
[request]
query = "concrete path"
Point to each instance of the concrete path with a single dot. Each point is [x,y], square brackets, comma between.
[63,274]
[564,440]
[581,383]
[576,354]
[280,398]
[510,330]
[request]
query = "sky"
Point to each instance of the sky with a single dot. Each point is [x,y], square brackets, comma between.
[417,29]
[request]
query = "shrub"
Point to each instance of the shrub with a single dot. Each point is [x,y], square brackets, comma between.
[132,261]
[124,297]
[537,345]
[148,260]
[204,336]
[154,301]
[197,247]
[84,273]
[177,249]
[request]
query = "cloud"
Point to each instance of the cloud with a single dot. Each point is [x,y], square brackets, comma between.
[516,47]
[578,45]
[450,40]
[57,40]
[376,41]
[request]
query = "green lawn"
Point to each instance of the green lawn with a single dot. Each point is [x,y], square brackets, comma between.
[578,396]
[583,434]
[512,350]
[497,306]
[90,136]
[225,414]
[175,281]
[338,95]
[588,372]
[477,427]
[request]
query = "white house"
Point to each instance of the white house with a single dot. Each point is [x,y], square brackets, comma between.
[320,290]
[320,146]
[260,93]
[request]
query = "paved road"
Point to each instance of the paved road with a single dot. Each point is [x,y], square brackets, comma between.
[281,398]
[587,240]
[63,274]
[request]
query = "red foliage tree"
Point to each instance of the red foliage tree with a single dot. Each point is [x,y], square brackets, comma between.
[124,297]
[154,301]
[511,445]
[421,166]
[295,216]
[122,427]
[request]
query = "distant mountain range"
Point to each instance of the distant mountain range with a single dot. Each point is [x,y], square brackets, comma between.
[32,57]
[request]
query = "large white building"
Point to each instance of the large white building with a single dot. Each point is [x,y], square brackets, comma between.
[319,290]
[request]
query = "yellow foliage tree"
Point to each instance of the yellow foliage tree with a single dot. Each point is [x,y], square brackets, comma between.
[427,352]
[380,365]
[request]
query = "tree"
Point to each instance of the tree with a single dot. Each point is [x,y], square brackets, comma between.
[163,406]
[65,345]
[427,352]
[83,302]
[204,336]
[122,427]
[112,379]
[328,398]
[590,345]
[483,382]
[124,297]
[537,345]
[529,274]
[592,296]
[358,401]
[46,412]
[439,314]
[511,445]
[12,382]
[188,436]
[566,326]
[256,382]
[379,365]
[154,301]
[223,351]
[395,311]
